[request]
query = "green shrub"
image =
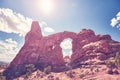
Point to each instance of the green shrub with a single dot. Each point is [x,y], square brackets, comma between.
[70,74]
[29,68]
[117,59]
[50,77]
[115,71]
[110,64]
[47,70]
[2,77]
[26,76]
[39,74]
[110,71]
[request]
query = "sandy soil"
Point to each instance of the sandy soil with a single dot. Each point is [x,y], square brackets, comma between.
[86,73]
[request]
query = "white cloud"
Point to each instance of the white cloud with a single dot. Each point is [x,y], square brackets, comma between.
[67,53]
[118,14]
[8,49]
[115,22]
[46,28]
[12,22]
[66,44]
[11,41]
[43,24]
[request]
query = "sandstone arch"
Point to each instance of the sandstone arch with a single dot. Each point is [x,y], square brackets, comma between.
[46,50]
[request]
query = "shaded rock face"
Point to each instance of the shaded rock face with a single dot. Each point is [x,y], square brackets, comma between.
[43,51]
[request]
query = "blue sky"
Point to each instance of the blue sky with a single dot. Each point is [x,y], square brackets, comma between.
[102,16]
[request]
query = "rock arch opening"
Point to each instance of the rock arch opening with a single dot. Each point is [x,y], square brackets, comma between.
[66,46]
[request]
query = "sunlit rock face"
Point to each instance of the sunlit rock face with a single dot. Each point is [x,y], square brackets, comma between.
[34,34]
[43,51]
[88,46]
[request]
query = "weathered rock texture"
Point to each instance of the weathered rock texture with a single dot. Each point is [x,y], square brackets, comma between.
[46,51]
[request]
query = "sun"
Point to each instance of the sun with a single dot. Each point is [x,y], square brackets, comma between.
[46,6]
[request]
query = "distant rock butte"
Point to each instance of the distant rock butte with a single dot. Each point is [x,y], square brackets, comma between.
[43,51]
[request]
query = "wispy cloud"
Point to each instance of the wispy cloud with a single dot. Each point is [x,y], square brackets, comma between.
[48,29]
[115,22]
[8,49]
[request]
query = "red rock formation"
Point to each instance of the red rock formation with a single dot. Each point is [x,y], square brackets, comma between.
[93,44]
[34,34]
[46,51]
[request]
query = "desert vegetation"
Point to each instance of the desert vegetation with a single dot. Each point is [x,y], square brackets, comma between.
[114,65]
[117,59]
[85,71]
[47,69]
[2,77]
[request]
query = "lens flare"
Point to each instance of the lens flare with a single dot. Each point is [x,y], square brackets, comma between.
[46,6]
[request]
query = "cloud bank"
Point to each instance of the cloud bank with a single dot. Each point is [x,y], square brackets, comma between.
[115,22]
[8,49]
[12,22]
